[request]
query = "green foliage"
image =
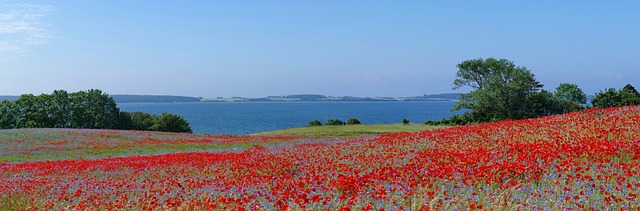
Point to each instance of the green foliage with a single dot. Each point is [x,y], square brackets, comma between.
[170,123]
[333,121]
[631,89]
[542,103]
[612,98]
[500,89]
[353,121]
[628,98]
[85,109]
[570,92]
[463,119]
[60,109]
[314,123]
[605,99]
[405,121]
[141,120]
[93,109]
[8,115]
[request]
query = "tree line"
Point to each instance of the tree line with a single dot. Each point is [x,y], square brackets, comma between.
[501,90]
[91,109]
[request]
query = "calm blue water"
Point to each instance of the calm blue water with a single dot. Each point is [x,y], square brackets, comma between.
[253,117]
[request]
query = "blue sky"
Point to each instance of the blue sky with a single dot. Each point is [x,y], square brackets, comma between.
[261,48]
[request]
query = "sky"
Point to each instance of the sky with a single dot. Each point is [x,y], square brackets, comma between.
[329,47]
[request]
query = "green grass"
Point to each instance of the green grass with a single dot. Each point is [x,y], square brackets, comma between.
[350,130]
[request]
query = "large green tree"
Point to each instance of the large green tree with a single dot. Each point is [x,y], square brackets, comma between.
[8,114]
[60,109]
[31,111]
[94,109]
[500,89]
[570,92]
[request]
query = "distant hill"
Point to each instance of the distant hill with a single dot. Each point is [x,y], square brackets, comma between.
[153,99]
[9,98]
[285,98]
[316,97]
[453,96]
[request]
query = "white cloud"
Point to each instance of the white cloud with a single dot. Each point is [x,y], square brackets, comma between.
[21,27]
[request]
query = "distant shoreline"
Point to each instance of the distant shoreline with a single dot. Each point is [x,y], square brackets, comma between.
[284,98]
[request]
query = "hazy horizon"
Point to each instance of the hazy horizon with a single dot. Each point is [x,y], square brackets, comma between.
[334,48]
[246,96]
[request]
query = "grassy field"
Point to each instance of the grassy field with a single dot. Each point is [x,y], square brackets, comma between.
[22,145]
[350,130]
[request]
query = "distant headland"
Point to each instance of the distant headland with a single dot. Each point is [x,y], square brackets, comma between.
[284,98]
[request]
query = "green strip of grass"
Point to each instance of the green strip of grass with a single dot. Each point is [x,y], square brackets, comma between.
[350,130]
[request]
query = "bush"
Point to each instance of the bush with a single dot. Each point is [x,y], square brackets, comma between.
[170,123]
[405,121]
[353,121]
[333,121]
[314,123]
[140,120]
[612,98]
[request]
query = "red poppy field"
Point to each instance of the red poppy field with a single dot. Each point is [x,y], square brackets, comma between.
[582,160]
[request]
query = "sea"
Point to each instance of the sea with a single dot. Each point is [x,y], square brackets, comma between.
[241,118]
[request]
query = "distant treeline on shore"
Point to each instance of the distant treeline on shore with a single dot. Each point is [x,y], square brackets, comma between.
[283,98]
[153,99]
[134,98]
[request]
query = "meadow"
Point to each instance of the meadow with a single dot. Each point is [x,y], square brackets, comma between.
[349,130]
[576,161]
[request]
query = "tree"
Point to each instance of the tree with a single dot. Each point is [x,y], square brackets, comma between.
[31,111]
[170,123]
[85,109]
[353,121]
[333,121]
[60,109]
[605,99]
[405,121]
[612,98]
[542,103]
[500,89]
[314,123]
[141,120]
[631,89]
[570,92]
[124,122]
[8,115]
[94,109]
[628,98]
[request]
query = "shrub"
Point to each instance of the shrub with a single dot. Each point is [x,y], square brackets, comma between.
[405,121]
[170,123]
[140,120]
[431,122]
[314,123]
[333,121]
[353,121]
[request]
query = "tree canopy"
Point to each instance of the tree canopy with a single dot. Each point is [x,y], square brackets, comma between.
[170,123]
[92,109]
[570,92]
[612,98]
[631,89]
[500,89]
